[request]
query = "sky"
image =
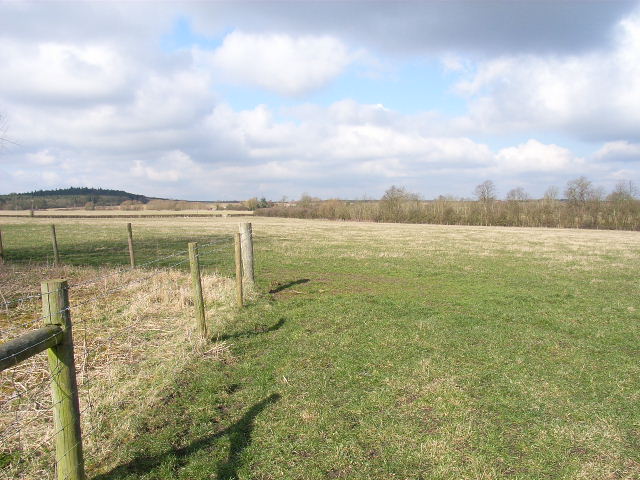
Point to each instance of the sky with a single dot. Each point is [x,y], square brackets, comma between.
[232,100]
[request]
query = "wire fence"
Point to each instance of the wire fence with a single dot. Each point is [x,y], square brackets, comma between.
[133,332]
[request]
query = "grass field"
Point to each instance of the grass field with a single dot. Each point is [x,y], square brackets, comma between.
[397,351]
[80,212]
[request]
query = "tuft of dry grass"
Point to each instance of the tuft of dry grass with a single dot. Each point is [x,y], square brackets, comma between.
[134,332]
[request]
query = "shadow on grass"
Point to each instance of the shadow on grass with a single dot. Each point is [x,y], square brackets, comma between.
[279,288]
[239,435]
[250,333]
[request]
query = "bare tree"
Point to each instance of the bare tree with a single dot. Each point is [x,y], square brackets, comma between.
[580,190]
[3,129]
[393,200]
[624,191]
[551,194]
[306,200]
[397,195]
[3,132]
[517,195]
[485,192]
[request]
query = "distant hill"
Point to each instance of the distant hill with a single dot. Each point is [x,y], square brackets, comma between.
[68,198]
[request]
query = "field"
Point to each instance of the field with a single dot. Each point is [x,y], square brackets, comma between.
[378,351]
[69,212]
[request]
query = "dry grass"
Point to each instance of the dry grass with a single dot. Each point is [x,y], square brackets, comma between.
[123,213]
[129,346]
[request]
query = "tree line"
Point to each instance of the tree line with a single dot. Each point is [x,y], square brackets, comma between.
[73,197]
[582,206]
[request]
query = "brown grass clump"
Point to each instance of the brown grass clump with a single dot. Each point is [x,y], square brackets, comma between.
[134,332]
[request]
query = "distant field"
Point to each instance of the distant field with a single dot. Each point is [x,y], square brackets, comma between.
[391,351]
[123,213]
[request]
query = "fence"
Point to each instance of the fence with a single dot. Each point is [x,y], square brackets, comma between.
[91,376]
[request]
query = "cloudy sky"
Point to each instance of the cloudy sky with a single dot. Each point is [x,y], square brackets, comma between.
[215,100]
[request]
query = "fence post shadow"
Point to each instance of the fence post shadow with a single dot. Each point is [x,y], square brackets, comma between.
[240,438]
[290,284]
[239,435]
[249,333]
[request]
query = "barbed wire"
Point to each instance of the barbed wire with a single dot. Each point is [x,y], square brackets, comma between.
[44,409]
[14,301]
[215,242]
[125,269]
[121,287]
[26,393]
[120,270]
[37,320]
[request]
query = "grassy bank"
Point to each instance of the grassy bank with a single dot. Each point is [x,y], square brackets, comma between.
[400,351]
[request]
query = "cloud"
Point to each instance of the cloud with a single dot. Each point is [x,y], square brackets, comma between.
[55,73]
[289,65]
[157,110]
[94,97]
[569,93]
[43,157]
[171,167]
[620,151]
[534,156]
[484,28]
[134,24]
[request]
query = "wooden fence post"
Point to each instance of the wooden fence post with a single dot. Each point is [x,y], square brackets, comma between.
[64,387]
[246,236]
[238,257]
[132,256]
[1,249]
[54,241]
[197,289]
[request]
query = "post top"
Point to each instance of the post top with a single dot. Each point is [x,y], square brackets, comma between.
[54,283]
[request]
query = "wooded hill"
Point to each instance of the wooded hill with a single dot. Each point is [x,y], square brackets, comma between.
[74,197]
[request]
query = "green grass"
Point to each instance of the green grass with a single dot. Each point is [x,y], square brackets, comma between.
[408,352]
[104,243]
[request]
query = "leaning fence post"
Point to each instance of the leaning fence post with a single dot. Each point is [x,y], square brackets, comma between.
[64,387]
[54,241]
[132,256]
[238,258]
[1,249]
[247,254]
[197,288]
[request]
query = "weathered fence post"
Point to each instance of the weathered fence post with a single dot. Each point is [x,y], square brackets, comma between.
[64,387]
[197,288]
[1,249]
[238,258]
[54,241]
[132,256]
[247,254]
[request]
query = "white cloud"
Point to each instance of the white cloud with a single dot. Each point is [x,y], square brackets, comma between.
[43,157]
[171,167]
[61,73]
[570,93]
[534,156]
[619,151]
[51,178]
[279,62]
[99,103]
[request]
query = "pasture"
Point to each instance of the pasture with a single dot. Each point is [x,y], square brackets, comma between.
[379,351]
[107,213]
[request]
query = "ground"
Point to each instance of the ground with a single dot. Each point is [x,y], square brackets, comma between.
[391,351]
